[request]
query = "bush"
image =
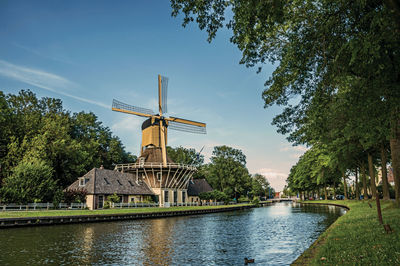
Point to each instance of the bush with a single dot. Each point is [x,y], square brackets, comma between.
[107,205]
[114,198]
[243,199]
[29,182]
[256,201]
[75,196]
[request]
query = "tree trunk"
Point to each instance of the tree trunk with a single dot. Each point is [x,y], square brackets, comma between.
[345,186]
[373,187]
[385,183]
[372,176]
[325,193]
[364,180]
[334,190]
[395,151]
[356,185]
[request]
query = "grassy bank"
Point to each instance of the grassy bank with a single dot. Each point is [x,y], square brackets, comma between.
[357,238]
[19,214]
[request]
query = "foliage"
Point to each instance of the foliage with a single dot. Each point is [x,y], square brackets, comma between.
[214,195]
[75,195]
[114,198]
[185,156]
[256,201]
[337,77]
[40,129]
[29,182]
[227,171]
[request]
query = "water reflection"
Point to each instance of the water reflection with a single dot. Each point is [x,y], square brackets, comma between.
[273,235]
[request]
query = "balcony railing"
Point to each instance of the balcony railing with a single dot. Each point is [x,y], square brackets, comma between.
[129,166]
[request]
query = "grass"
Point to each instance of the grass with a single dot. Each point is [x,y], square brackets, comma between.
[20,214]
[357,238]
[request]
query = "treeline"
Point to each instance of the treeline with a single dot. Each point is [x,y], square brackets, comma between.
[226,173]
[44,148]
[337,77]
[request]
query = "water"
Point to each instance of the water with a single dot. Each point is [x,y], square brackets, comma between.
[274,235]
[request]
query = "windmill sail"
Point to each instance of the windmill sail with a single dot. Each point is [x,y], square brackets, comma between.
[180,124]
[131,108]
[164,91]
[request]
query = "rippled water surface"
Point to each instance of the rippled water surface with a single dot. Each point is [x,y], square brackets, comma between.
[273,235]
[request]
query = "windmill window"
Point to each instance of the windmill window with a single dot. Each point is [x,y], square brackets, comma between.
[159,174]
[105,179]
[130,183]
[119,182]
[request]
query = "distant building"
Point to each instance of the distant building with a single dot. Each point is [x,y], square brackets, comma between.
[277,195]
[101,183]
[197,186]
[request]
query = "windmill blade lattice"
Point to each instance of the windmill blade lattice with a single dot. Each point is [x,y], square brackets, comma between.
[164,92]
[123,106]
[186,127]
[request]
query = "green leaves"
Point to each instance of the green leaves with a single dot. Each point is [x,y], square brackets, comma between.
[30,182]
[39,129]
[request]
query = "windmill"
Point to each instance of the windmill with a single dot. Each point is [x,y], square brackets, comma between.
[154,129]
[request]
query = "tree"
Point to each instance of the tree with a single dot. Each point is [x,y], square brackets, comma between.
[30,182]
[227,172]
[41,130]
[185,156]
[260,185]
[324,48]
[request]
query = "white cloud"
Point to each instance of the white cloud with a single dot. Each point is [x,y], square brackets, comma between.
[128,123]
[44,80]
[276,178]
[288,147]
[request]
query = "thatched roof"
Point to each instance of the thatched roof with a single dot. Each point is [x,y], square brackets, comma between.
[104,181]
[196,186]
[154,155]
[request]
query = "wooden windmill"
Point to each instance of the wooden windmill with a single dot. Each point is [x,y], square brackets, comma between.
[154,129]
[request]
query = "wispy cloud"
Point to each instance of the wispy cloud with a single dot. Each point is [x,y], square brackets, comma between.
[44,80]
[59,57]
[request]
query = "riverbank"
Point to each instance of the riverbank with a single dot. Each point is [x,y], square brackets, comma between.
[32,218]
[357,238]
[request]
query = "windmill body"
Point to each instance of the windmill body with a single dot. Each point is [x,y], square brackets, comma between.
[167,179]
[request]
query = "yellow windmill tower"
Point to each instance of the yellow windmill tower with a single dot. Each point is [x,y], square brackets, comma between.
[159,172]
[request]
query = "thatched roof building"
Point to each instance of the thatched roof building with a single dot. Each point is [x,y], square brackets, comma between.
[197,186]
[100,183]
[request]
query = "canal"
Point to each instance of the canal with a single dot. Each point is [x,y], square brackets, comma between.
[273,235]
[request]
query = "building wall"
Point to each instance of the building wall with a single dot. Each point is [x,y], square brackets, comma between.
[193,199]
[90,202]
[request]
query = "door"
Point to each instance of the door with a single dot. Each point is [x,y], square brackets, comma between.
[101,202]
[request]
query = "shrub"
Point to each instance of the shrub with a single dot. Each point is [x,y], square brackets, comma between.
[256,201]
[29,182]
[75,195]
[114,198]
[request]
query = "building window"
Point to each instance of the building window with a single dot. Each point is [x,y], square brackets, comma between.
[166,196]
[183,196]
[83,181]
[159,174]
[175,196]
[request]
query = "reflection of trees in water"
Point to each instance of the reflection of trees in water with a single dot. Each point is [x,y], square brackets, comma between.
[157,242]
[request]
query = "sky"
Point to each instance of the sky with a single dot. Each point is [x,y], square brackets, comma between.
[88,53]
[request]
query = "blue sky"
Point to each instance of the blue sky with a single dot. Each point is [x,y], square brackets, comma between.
[89,52]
